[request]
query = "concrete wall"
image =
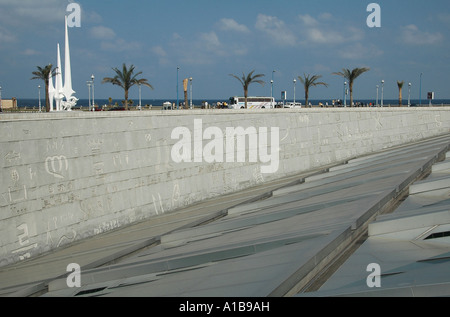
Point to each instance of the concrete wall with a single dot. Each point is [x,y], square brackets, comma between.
[69,176]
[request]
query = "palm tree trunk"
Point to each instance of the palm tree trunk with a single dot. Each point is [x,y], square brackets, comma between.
[47,98]
[400,97]
[306,98]
[246,96]
[126,100]
[351,95]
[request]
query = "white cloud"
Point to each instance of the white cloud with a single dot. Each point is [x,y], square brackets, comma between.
[325,16]
[161,54]
[202,51]
[120,45]
[6,36]
[324,37]
[102,33]
[322,32]
[210,40]
[239,50]
[30,52]
[276,29]
[109,41]
[158,50]
[15,12]
[232,25]
[321,68]
[411,34]
[205,49]
[359,51]
[308,20]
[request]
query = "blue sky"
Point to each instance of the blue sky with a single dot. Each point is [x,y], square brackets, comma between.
[210,39]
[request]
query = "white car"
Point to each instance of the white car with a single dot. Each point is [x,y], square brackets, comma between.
[293,105]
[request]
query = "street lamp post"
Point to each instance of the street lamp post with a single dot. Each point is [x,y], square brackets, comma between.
[140,98]
[273,72]
[409,94]
[93,94]
[420,91]
[295,82]
[271,91]
[89,84]
[40,107]
[378,87]
[382,93]
[178,69]
[190,82]
[1,107]
[345,94]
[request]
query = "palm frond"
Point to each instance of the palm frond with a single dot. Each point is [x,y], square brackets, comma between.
[126,78]
[44,72]
[237,79]
[246,80]
[351,76]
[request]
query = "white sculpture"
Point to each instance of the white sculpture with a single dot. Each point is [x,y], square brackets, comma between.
[61,93]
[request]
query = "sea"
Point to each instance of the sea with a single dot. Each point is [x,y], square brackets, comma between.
[84,103]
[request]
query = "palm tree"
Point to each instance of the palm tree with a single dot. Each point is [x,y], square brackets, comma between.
[310,81]
[126,79]
[351,76]
[44,74]
[247,80]
[400,95]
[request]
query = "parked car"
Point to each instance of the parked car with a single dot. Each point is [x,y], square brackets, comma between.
[117,109]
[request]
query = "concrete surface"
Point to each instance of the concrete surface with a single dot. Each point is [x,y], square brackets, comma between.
[278,243]
[70,176]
